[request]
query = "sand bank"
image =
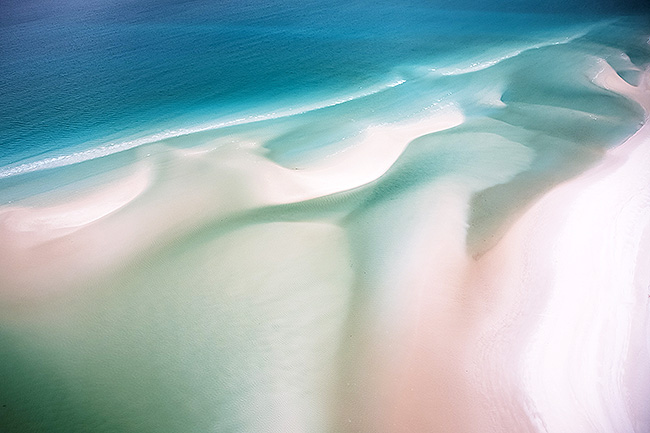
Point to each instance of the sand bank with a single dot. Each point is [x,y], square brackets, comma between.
[45,248]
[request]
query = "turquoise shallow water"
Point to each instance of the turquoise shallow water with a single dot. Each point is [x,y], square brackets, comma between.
[233,316]
[76,78]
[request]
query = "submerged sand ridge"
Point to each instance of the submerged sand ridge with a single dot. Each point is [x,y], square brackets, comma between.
[224,290]
[220,180]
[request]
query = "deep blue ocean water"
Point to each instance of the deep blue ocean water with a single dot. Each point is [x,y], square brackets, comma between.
[81,75]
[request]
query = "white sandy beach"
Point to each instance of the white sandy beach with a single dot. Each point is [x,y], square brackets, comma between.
[566,347]
[546,332]
[587,364]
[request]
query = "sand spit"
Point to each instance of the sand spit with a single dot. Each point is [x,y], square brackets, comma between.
[44,248]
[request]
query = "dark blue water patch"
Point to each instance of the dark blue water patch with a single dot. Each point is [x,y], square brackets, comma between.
[77,73]
[629,35]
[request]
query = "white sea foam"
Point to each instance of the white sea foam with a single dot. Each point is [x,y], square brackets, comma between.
[479,65]
[120,146]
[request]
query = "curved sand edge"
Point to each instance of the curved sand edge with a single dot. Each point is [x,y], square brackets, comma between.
[569,348]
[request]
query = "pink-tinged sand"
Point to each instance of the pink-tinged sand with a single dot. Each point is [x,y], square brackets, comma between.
[47,248]
[586,366]
[44,248]
[546,332]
